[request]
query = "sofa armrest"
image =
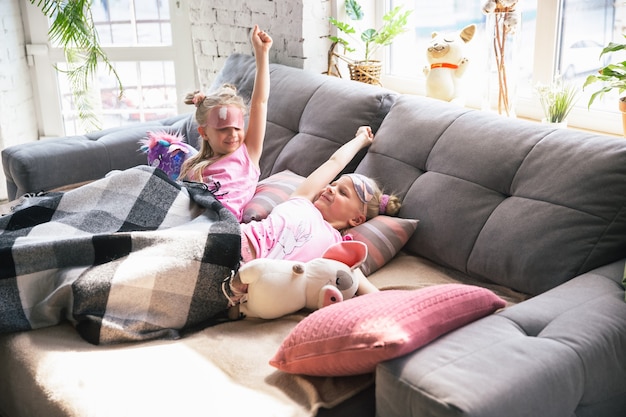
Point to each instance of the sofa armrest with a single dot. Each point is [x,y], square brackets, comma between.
[553,355]
[52,163]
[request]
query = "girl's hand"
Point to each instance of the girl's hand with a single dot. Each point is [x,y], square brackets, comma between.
[365,132]
[261,41]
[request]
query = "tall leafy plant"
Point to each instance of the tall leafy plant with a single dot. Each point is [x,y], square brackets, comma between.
[72,27]
[611,76]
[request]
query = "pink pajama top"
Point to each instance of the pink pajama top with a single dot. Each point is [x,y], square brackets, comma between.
[294,230]
[233,180]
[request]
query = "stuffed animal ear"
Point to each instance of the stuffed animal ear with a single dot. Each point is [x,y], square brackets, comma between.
[329,294]
[350,252]
[468,33]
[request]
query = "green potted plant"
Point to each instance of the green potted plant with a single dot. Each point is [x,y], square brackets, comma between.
[557,100]
[366,69]
[613,77]
[72,27]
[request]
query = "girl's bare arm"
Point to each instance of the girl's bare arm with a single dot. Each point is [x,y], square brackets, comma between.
[326,172]
[255,135]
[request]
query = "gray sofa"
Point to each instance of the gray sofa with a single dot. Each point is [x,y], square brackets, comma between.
[538,215]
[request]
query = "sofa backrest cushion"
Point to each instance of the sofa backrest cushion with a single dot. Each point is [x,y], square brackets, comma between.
[47,164]
[506,200]
[310,115]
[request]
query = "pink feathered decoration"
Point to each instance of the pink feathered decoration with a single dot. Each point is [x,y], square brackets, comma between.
[167,152]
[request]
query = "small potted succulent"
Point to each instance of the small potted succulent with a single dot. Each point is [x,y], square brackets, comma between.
[366,69]
[557,100]
[613,77]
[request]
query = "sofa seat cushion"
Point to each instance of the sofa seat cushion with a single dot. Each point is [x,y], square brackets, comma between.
[172,377]
[410,272]
[52,372]
[563,352]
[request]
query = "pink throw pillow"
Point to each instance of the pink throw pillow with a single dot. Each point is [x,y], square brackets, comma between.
[352,337]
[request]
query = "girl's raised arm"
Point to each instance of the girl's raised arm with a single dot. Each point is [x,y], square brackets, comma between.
[255,135]
[323,175]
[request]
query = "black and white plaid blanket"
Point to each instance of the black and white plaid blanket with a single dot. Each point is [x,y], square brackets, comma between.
[134,256]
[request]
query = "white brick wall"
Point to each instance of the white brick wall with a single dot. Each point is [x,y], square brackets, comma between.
[299,29]
[18,122]
[316,30]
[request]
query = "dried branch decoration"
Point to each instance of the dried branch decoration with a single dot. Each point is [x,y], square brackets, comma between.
[506,21]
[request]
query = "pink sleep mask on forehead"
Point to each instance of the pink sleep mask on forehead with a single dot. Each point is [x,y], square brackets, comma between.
[225,116]
[362,186]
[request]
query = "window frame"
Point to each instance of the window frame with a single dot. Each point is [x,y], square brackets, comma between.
[42,56]
[544,65]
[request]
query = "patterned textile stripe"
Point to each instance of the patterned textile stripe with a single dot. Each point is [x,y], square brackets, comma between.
[19,224]
[63,224]
[29,217]
[120,202]
[221,250]
[152,205]
[13,317]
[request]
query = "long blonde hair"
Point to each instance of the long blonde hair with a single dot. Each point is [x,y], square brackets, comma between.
[226,95]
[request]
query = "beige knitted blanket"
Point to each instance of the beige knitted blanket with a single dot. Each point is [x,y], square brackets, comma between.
[221,370]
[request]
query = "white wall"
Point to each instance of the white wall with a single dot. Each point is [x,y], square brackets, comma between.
[299,29]
[18,121]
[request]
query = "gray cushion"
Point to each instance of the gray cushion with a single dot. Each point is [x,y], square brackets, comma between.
[529,209]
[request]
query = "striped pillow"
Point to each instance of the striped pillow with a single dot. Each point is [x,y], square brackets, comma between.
[270,192]
[384,237]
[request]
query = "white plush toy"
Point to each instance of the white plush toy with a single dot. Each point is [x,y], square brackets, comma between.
[280,287]
[447,63]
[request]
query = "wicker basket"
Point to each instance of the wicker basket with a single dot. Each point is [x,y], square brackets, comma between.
[365,71]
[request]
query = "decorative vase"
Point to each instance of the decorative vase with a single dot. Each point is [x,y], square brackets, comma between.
[503,38]
[558,125]
[365,71]
[622,109]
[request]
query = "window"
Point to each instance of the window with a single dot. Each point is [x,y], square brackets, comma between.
[138,38]
[564,36]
